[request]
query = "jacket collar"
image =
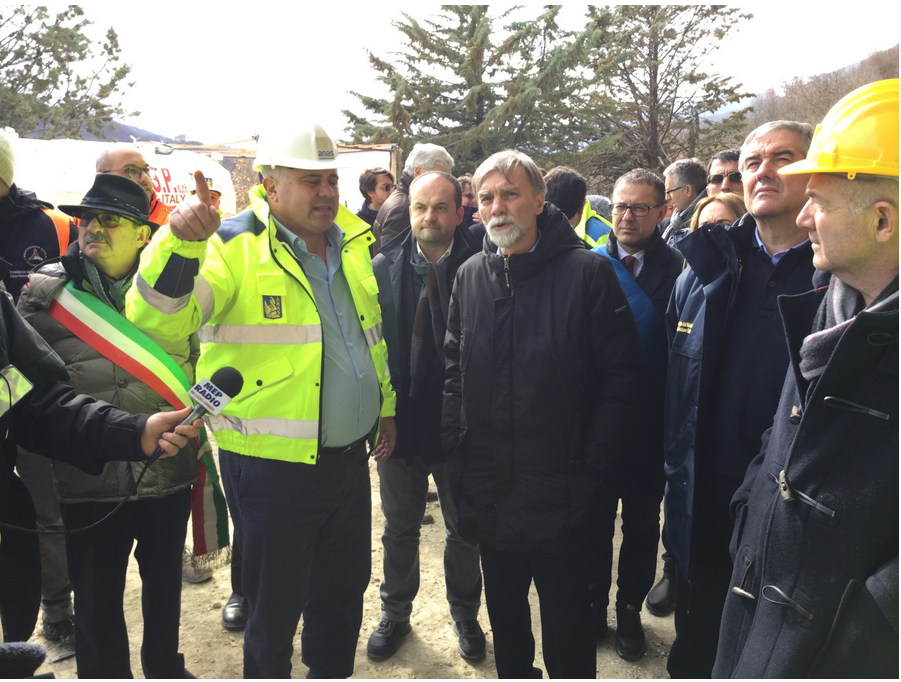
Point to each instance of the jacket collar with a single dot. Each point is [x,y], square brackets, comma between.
[556,237]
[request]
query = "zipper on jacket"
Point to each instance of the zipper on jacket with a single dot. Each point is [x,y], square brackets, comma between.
[507,276]
[790,494]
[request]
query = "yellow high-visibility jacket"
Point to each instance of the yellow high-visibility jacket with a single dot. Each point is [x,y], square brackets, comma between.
[593,228]
[256,312]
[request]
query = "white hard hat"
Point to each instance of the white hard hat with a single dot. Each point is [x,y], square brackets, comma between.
[305,146]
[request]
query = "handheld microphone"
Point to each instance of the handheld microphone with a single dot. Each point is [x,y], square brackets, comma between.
[211,397]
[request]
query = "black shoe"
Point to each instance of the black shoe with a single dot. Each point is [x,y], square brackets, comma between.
[61,632]
[630,644]
[386,638]
[472,639]
[661,599]
[235,613]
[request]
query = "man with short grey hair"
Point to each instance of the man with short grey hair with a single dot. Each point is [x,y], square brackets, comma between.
[685,185]
[394,215]
[723,317]
[542,360]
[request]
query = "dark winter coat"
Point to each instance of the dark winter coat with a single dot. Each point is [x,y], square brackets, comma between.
[393,216]
[28,236]
[367,213]
[93,374]
[418,418]
[51,420]
[542,359]
[824,579]
[661,267]
[698,319]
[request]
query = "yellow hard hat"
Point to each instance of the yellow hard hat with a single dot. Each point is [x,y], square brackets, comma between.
[297,145]
[858,135]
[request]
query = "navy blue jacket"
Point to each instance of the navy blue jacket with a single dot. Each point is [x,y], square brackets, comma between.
[822,568]
[698,321]
[28,236]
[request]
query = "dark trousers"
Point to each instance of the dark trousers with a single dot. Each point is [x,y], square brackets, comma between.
[637,555]
[98,560]
[562,584]
[226,476]
[36,473]
[306,548]
[701,596]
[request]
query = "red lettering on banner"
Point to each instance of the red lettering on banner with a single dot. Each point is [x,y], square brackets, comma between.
[167,176]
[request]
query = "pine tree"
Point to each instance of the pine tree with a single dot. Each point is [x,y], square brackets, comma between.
[650,101]
[475,87]
[55,81]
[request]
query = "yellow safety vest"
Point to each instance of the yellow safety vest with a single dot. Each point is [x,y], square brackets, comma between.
[256,312]
[587,214]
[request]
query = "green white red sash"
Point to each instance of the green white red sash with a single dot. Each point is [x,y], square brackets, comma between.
[118,340]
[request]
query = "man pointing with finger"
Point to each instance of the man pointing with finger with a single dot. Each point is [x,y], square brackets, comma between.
[287,296]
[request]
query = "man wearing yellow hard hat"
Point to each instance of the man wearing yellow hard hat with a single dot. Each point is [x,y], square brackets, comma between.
[814,592]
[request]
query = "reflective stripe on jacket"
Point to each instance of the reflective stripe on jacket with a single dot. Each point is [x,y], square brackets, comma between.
[261,318]
[592,228]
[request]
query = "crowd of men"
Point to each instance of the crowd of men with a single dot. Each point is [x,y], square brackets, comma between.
[544,364]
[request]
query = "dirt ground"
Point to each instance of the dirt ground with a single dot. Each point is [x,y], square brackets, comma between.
[429,652]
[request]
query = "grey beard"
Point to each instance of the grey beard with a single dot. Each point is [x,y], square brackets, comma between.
[508,237]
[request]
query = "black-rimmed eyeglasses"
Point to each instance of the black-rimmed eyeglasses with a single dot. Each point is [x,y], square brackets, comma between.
[638,210]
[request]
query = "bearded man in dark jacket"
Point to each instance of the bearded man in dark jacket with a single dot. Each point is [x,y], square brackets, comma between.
[542,360]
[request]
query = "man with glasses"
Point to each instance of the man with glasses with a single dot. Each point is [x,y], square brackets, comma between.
[727,363]
[376,185]
[723,174]
[647,269]
[686,182]
[89,285]
[129,163]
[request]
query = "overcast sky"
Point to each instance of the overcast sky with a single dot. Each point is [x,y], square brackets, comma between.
[216,71]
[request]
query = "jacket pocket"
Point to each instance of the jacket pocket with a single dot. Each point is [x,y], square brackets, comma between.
[861,642]
[263,376]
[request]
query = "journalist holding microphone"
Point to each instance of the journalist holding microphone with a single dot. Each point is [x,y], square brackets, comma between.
[77,306]
[284,292]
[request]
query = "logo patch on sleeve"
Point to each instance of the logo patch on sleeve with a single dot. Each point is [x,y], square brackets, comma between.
[272,307]
[684,327]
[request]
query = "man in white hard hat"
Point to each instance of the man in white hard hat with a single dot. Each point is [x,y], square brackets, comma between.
[287,296]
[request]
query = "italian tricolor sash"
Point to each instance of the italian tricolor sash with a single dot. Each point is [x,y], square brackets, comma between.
[122,343]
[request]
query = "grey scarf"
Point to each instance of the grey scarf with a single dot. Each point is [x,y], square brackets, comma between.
[837,311]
